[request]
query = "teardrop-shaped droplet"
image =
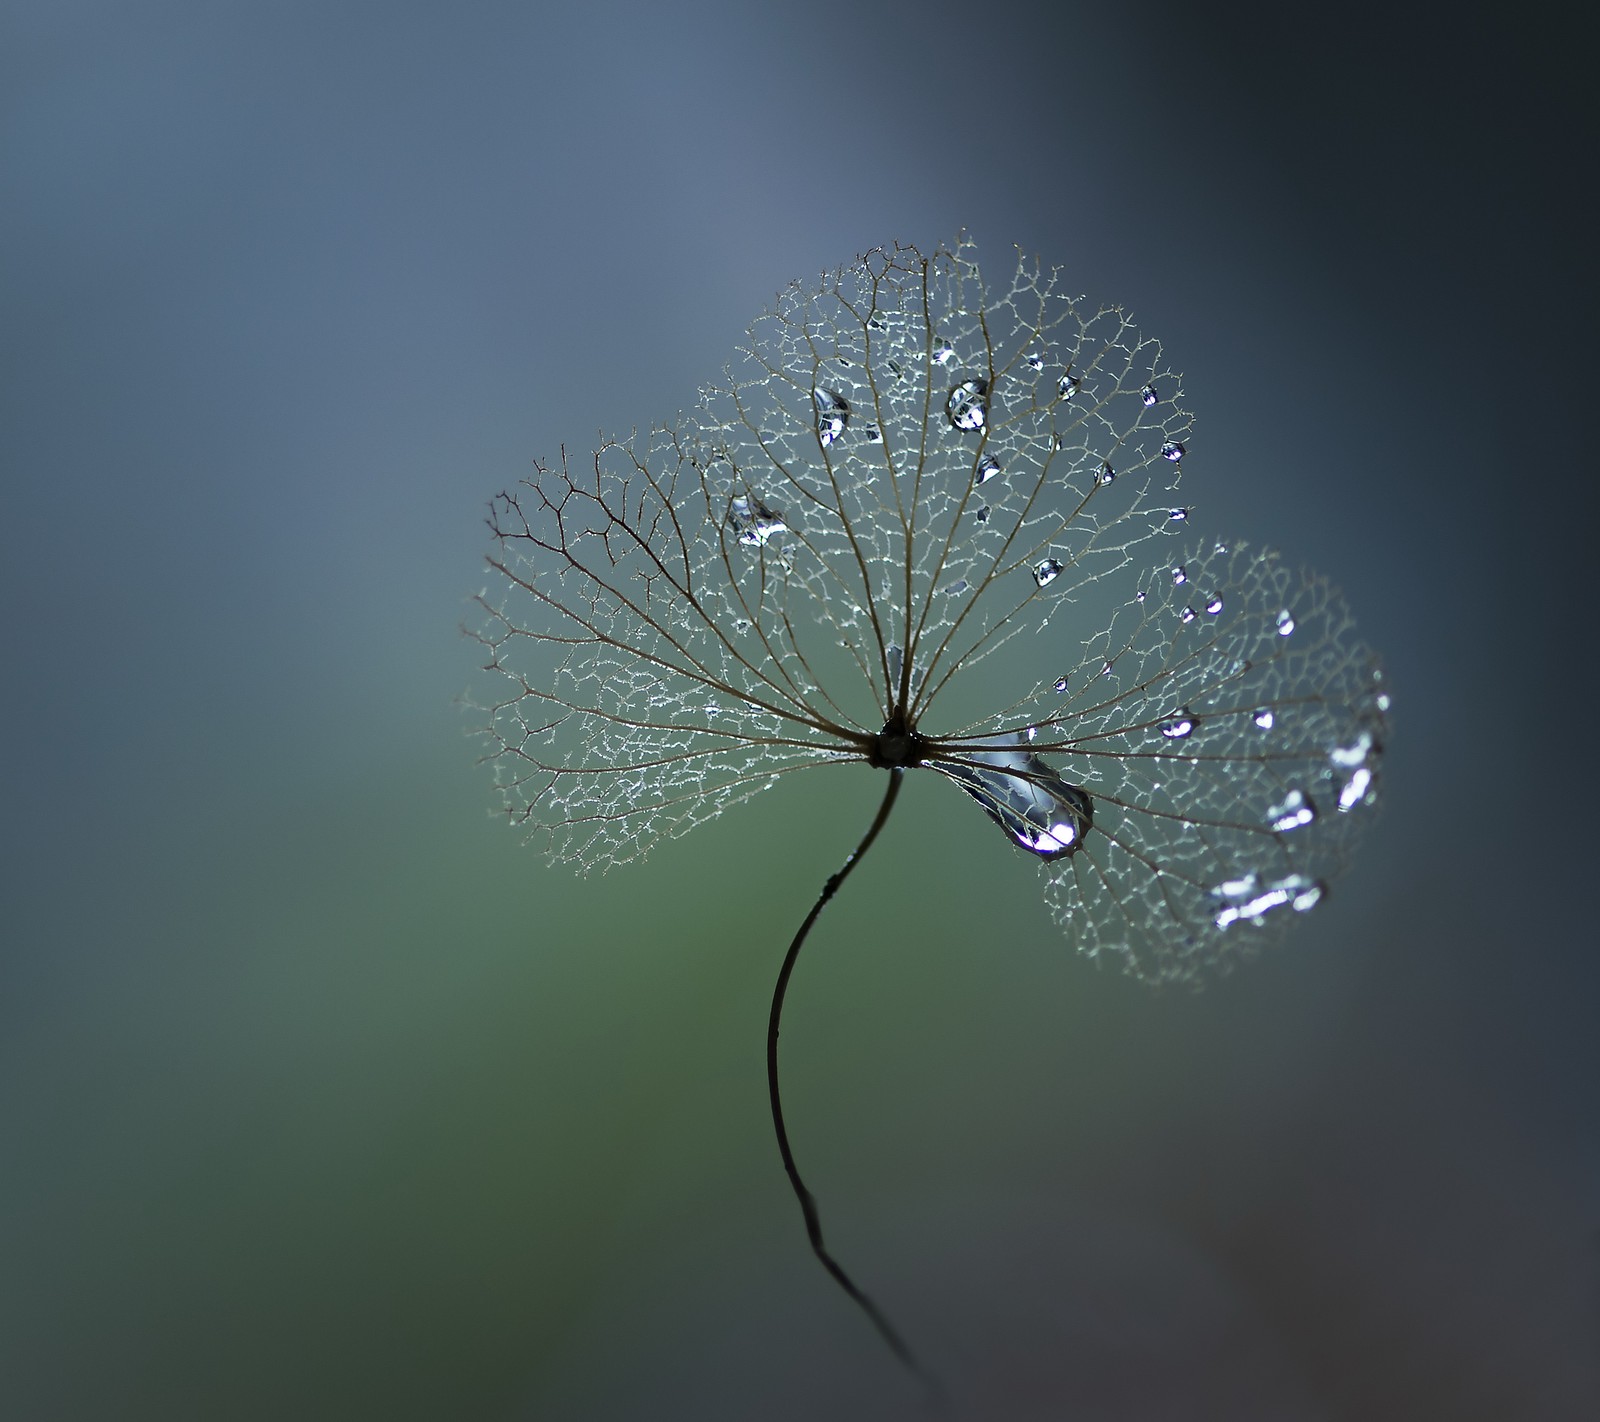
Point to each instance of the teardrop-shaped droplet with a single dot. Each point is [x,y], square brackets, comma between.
[1213,605]
[1264,718]
[987,468]
[1285,623]
[1292,812]
[941,352]
[1179,725]
[1178,515]
[1047,572]
[1068,385]
[967,405]
[1107,473]
[1186,616]
[1022,794]
[752,520]
[833,414]
[1148,396]
[1173,451]
[1180,575]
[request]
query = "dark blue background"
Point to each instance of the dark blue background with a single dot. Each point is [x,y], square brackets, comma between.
[320,1097]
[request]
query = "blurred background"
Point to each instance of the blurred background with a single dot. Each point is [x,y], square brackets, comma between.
[322,1097]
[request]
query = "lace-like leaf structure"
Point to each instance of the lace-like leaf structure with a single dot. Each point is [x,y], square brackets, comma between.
[903,473]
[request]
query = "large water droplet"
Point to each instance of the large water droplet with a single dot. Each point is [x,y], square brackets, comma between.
[968,404]
[1068,385]
[1022,794]
[1047,572]
[1179,725]
[987,468]
[1249,899]
[833,414]
[1148,396]
[1172,450]
[752,520]
[1292,812]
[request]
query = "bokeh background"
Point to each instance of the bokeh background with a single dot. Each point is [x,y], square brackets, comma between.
[321,1097]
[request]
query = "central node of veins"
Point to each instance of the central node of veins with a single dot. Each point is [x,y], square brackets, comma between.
[897,745]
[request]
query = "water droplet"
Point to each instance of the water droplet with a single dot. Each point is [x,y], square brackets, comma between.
[1213,605]
[1249,899]
[1172,450]
[1178,515]
[894,368]
[1047,572]
[1357,789]
[968,404]
[1292,812]
[1179,726]
[941,353]
[1036,361]
[844,361]
[1140,595]
[1149,396]
[1068,385]
[988,467]
[741,625]
[1022,794]
[833,414]
[1031,732]
[982,514]
[1180,575]
[877,323]
[1354,754]
[1105,669]
[1061,684]
[1285,623]
[753,521]
[1186,616]
[874,435]
[1107,473]
[1264,718]
[1382,701]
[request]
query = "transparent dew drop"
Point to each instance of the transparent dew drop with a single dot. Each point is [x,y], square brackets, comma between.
[1031,733]
[1047,572]
[1356,790]
[874,434]
[941,353]
[833,414]
[894,368]
[1213,605]
[1186,616]
[1069,385]
[967,405]
[1148,396]
[1265,719]
[1179,726]
[877,323]
[1180,575]
[1022,793]
[1178,515]
[753,521]
[1293,812]
[1035,362]
[987,468]
[845,361]
[1382,701]
[1172,450]
[1285,623]
[1249,899]
[1107,473]
[982,515]
[1140,595]
[1061,684]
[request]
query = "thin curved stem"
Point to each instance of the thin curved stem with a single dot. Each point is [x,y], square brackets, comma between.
[808,1205]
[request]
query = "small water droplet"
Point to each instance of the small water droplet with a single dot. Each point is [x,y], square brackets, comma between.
[874,434]
[1354,754]
[1068,385]
[753,521]
[833,414]
[1186,616]
[1061,684]
[1180,575]
[844,361]
[1173,451]
[877,323]
[1264,718]
[741,625]
[1047,572]
[1105,669]
[1031,732]
[894,368]
[1140,595]
[1035,361]
[1213,605]
[967,405]
[1179,725]
[987,468]
[1178,515]
[1382,701]
[982,514]
[1285,623]
[1292,812]
[1249,900]
[1107,473]
[1149,396]
[942,351]
[1357,789]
